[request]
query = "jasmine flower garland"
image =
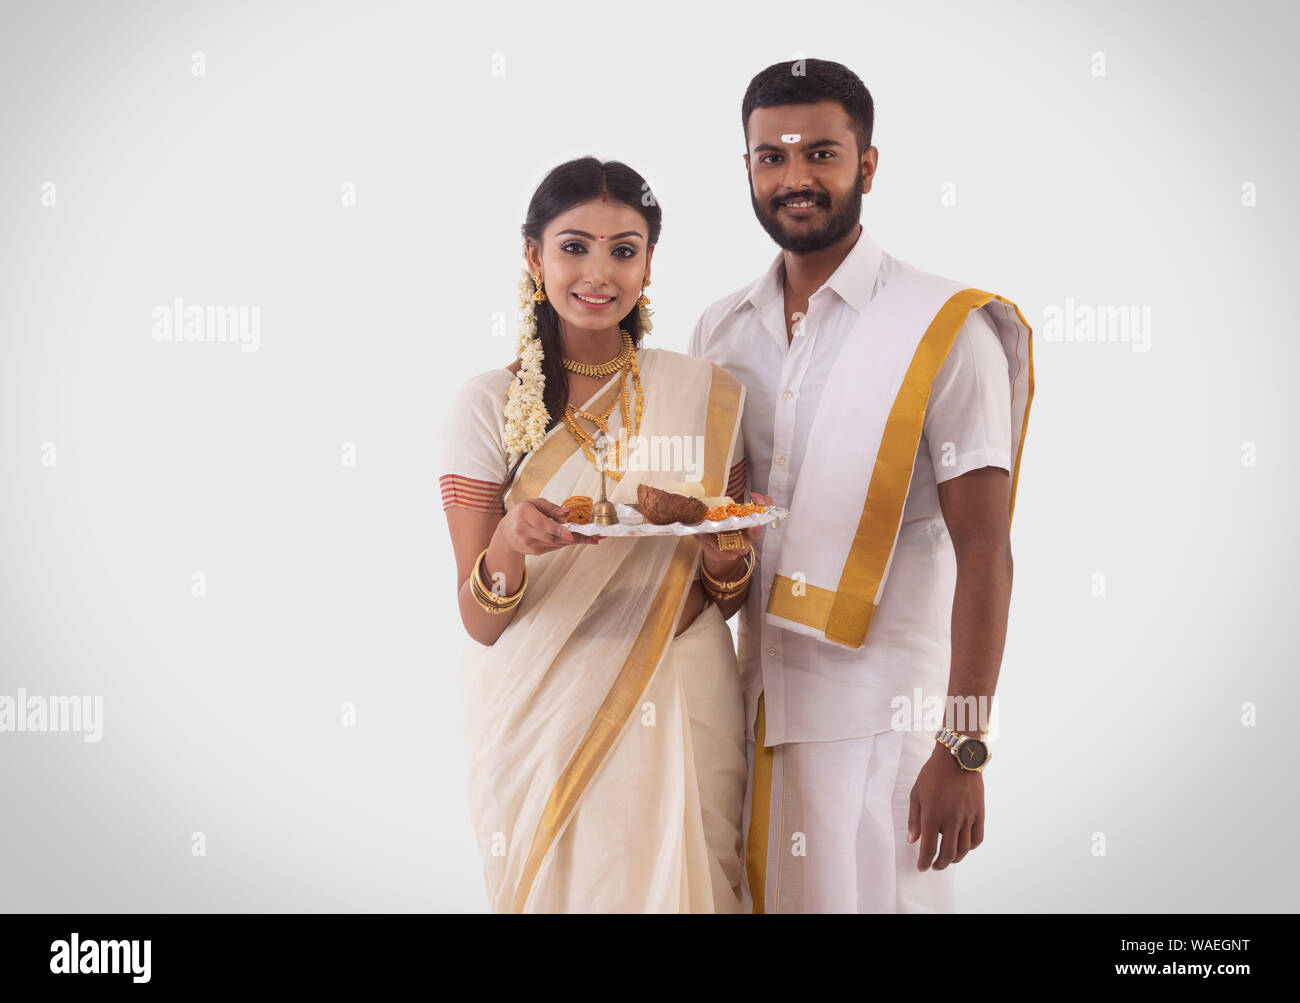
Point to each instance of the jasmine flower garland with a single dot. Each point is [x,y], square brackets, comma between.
[526,415]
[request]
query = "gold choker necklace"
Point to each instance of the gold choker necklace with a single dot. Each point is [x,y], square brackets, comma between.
[619,361]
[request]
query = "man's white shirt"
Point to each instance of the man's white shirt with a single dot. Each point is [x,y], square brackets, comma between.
[817,690]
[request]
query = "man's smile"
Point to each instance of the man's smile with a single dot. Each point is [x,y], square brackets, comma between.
[800,208]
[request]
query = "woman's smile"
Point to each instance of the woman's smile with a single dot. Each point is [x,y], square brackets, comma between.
[589,302]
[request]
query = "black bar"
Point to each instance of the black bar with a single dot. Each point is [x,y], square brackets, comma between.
[965,952]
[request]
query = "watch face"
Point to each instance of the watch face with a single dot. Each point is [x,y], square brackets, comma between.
[972,753]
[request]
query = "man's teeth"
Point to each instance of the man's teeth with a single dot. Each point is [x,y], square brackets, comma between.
[589,299]
[799,205]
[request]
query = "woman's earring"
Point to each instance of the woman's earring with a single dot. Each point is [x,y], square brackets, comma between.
[540,295]
[644,311]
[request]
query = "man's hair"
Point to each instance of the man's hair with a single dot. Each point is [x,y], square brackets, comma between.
[807,81]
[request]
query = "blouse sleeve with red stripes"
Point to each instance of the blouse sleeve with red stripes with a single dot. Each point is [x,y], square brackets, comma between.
[737,482]
[472,458]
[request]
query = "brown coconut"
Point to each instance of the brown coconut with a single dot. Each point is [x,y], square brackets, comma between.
[663,507]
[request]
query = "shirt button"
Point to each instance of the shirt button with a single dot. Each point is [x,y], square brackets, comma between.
[780,461]
[771,651]
[787,395]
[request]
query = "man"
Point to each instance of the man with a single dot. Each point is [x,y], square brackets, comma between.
[886,409]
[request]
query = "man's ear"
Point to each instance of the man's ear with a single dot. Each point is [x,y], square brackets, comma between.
[870,161]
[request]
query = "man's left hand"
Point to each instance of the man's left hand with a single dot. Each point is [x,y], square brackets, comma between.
[949,800]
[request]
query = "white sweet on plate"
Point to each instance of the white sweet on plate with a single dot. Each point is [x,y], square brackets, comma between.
[692,489]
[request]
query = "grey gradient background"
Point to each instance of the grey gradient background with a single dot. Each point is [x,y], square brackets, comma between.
[328,584]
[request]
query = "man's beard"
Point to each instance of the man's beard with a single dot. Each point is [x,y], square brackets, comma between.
[837,224]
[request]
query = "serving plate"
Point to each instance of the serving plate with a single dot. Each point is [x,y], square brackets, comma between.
[632,523]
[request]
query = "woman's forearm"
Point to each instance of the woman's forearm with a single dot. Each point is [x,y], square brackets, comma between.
[503,573]
[695,603]
[731,573]
[727,607]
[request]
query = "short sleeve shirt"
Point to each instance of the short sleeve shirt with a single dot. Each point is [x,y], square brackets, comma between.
[816,690]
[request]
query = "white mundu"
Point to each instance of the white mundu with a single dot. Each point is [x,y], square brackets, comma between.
[895,381]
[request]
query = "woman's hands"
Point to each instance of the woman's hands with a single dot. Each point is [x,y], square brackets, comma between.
[533,527]
[725,565]
[721,563]
[729,565]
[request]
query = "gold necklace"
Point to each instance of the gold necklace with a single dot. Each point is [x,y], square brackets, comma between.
[628,351]
[588,441]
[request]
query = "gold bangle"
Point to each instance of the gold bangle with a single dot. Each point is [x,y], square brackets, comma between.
[487,607]
[750,561]
[488,599]
[513,597]
[729,590]
[726,589]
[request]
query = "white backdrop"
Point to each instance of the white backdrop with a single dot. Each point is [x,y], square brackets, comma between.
[353,175]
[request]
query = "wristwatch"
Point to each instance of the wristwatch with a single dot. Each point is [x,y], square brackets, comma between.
[971,754]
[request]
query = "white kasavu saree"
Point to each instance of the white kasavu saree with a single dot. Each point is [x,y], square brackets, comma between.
[606,757]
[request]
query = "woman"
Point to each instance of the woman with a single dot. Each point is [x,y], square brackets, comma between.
[601,700]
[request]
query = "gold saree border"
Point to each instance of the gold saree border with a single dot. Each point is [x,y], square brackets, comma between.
[721,425]
[844,615]
[760,807]
[725,396]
